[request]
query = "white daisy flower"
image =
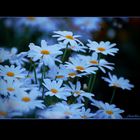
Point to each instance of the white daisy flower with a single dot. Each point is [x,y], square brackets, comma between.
[118,82]
[13,51]
[55,89]
[6,111]
[25,102]
[72,73]
[86,114]
[105,64]
[29,79]
[67,73]
[70,111]
[77,92]
[101,64]
[97,103]
[50,114]
[4,55]
[77,48]
[80,65]
[107,111]
[11,87]
[57,73]
[103,47]
[61,45]
[67,37]
[45,53]
[18,59]
[93,59]
[12,72]
[61,72]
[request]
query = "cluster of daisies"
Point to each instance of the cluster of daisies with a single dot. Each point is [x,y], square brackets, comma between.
[45,25]
[47,82]
[40,23]
[50,23]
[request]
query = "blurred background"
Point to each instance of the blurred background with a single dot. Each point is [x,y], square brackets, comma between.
[124,31]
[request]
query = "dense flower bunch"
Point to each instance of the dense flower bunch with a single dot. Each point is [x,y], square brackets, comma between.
[40,23]
[47,81]
[43,26]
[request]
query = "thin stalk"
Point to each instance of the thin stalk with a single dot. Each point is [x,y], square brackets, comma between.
[86,102]
[93,78]
[89,82]
[77,79]
[34,69]
[29,70]
[93,82]
[43,76]
[64,54]
[114,91]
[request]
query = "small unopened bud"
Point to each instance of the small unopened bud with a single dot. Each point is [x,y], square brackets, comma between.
[85,86]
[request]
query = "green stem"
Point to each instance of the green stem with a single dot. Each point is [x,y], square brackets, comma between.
[29,70]
[71,79]
[34,69]
[86,102]
[43,76]
[64,54]
[93,82]
[93,78]
[114,91]
[99,56]
[44,70]
[51,100]
[77,79]
[89,82]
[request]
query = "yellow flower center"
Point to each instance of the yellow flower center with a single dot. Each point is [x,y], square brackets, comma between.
[84,117]
[101,49]
[72,47]
[26,99]
[45,52]
[53,90]
[59,76]
[2,113]
[109,112]
[67,113]
[31,18]
[10,89]
[72,74]
[80,68]
[10,74]
[116,85]
[77,92]
[69,37]
[94,62]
